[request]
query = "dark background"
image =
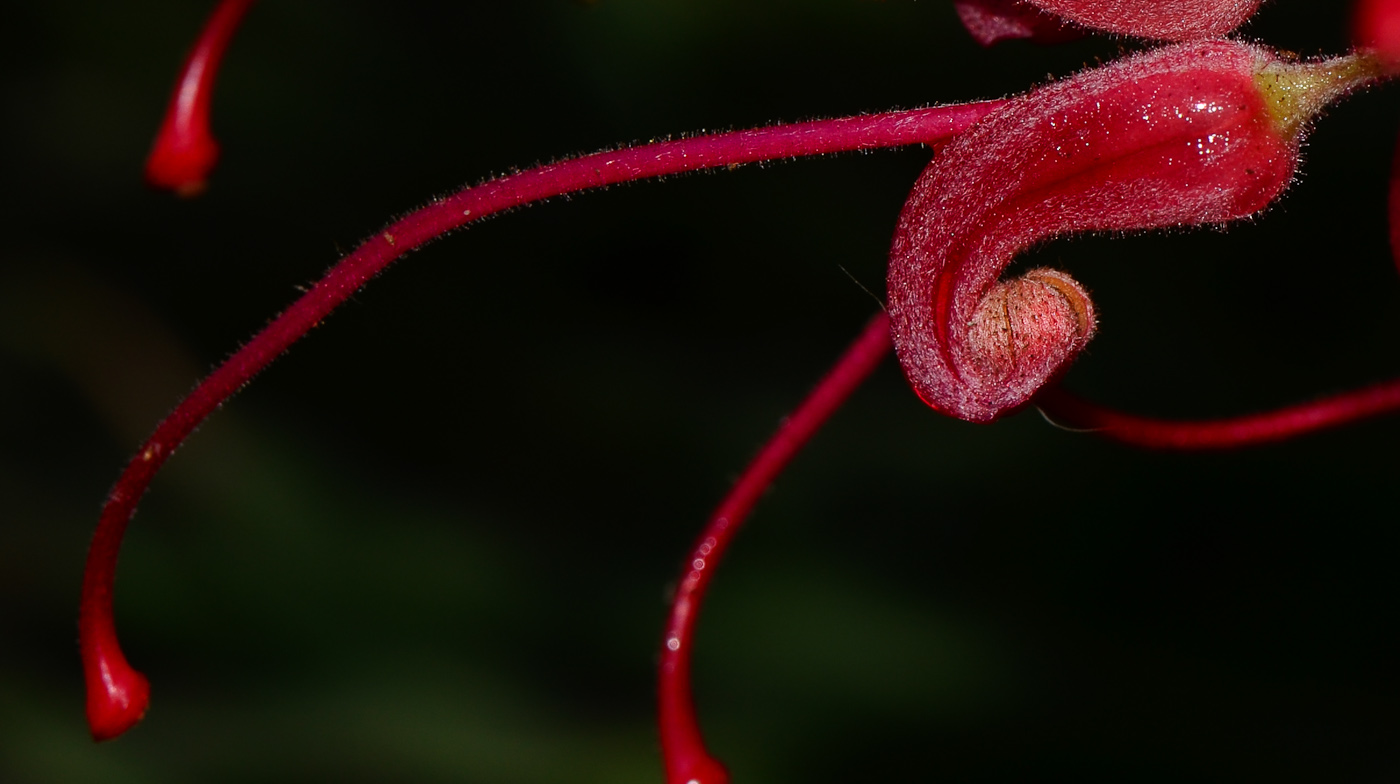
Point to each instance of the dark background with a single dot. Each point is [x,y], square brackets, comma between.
[434,543]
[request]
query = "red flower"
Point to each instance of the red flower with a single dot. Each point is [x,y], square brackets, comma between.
[1193,134]
[1186,135]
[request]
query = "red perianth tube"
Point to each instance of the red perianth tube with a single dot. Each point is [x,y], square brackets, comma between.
[117,694]
[1167,20]
[1231,433]
[1186,135]
[687,761]
[992,21]
[1048,21]
[184,152]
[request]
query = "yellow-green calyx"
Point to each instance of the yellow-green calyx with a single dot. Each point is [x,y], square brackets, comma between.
[1294,92]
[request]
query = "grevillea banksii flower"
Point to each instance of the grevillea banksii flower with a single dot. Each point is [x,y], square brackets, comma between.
[184,152]
[1204,133]
[1166,20]
[1192,134]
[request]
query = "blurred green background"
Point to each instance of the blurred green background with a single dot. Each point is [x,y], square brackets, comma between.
[434,543]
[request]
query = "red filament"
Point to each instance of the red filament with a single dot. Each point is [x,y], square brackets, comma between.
[687,761]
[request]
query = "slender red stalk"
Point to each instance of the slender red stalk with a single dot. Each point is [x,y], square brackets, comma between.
[117,694]
[687,761]
[1230,433]
[185,150]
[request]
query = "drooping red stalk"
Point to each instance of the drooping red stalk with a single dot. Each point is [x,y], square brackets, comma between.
[1230,433]
[184,152]
[687,761]
[117,694]
[1185,135]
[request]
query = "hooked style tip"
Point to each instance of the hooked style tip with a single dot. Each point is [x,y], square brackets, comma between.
[185,152]
[181,161]
[701,769]
[117,695]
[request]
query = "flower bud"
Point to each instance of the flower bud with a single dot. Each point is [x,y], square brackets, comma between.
[1043,20]
[1192,134]
[990,21]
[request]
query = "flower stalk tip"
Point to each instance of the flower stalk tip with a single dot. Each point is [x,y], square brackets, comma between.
[185,151]
[117,695]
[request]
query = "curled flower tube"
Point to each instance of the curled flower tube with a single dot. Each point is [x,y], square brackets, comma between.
[990,21]
[1192,134]
[1165,20]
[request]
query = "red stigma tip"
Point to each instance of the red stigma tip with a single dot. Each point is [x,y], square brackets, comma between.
[117,695]
[184,152]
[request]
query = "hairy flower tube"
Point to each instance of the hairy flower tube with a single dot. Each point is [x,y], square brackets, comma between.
[1187,135]
[1244,147]
[1044,20]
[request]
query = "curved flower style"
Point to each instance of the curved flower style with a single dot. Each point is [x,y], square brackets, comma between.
[118,694]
